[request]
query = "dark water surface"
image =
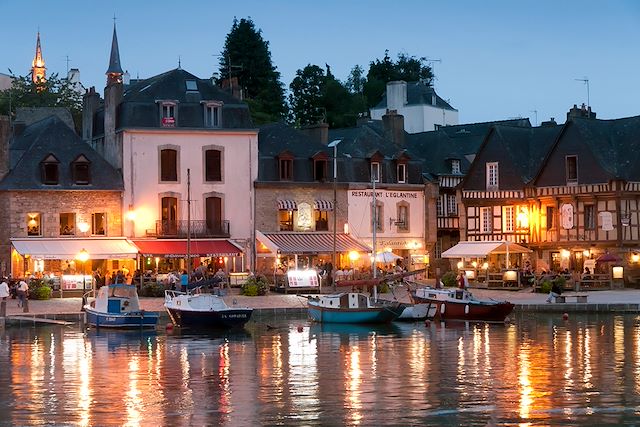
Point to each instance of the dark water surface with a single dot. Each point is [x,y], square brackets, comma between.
[538,370]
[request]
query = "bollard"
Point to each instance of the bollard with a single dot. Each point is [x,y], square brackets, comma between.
[3,308]
[25,307]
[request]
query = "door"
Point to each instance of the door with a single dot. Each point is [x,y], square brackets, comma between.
[169,216]
[214,215]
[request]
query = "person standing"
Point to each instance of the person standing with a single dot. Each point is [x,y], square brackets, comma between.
[184,280]
[4,293]
[23,289]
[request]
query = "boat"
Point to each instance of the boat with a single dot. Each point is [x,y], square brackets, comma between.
[460,304]
[196,309]
[117,306]
[352,307]
[419,311]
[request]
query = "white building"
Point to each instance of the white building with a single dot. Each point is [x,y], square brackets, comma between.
[422,108]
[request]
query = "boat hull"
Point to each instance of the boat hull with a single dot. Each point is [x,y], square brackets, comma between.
[140,319]
[216,319]
[469,310]
[364,315]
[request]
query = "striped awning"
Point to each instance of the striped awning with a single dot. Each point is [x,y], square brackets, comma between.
[323,205]
[287,205]
[310,243]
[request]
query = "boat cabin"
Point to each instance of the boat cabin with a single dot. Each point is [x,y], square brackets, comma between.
[344,300]
[117,298]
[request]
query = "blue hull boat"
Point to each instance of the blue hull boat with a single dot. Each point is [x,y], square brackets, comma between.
[118,306]
[352,308]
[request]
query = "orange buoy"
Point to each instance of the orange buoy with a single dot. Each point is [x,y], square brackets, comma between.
[169,326]
[565,316]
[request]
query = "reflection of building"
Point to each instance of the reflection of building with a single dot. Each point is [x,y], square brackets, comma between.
[171,134]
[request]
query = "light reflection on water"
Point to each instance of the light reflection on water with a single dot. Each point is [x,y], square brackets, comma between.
[537,370]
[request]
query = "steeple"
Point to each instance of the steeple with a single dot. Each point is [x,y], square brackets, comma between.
[38,70]
[114,73]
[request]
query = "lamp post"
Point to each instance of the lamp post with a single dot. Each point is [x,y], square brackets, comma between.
[334,144]
[83,256]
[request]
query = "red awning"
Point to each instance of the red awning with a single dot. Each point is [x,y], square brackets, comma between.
[178,248]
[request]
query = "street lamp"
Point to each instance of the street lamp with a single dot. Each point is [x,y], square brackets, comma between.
[334,145]
[83,256]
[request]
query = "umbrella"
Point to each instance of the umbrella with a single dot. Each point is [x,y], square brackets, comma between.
[608,258]
[387,257]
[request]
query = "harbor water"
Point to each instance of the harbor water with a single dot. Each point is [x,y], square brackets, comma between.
[536,370]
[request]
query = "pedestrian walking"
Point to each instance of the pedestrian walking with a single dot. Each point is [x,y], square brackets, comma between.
[4,289]
[23,290]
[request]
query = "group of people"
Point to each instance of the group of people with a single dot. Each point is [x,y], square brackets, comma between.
[22,291]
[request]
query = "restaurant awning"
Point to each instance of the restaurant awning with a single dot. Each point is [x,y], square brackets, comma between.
[309,243]
[68,248]
[287,205]
[178,248]
[482,249]
[323,205]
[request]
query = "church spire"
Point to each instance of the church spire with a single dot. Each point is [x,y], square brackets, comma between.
[38,70]
[114,73]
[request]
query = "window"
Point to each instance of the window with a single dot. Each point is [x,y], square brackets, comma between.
[213,165]
[67,224]
[285,219]
[212,114]
[50,170]
[168,116]
[375,171]
[403,217]
[492,176]
[169,216]
[486,217]
[80,170]
[402,173]
[452,205]
[192,85]
[169,165]
[320,170]
[589,217]
[322,220]
[99,224]
[507,218]
[440,205]
[286,169]
[550,215]
[455,167]
[571,166]
[378,216]
[34,225]
[214,215]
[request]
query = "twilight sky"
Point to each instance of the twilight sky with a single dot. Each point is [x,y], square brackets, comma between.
[498,59]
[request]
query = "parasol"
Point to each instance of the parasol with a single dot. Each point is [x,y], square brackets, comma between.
[387,257]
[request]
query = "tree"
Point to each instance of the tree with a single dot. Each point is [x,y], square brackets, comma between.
[53,92]
[407,68]
[246,57]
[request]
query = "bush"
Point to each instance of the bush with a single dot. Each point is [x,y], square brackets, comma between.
[560,281]
[545,287]
[152,289]
[255,286]
[449,279]
[39,290]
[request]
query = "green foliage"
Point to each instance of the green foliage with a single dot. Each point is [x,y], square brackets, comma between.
[152,289]
[246,56]
[560,281]
[255,286]
[53,92]
[545,287]
[449,279]
[39,290]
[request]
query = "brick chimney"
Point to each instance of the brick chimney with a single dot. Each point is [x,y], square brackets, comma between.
[317,133]
[584,112]
[5,136]
[394,127]
[90,103]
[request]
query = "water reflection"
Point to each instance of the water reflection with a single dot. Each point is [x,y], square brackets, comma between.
[538,370]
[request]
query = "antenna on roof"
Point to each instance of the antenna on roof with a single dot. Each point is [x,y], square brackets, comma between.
[179,62]
[67,59]
[536,113]
[431,61]
[586,82]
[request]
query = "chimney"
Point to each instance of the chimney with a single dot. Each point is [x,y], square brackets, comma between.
[582,111]
[232,86]
[434,99]
[90,103]
[317,133]
[394,127]
[396,95]
[126,78]
[5,135]
[549,123]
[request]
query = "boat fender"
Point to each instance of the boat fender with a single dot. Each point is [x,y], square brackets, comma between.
[466,309]
[442,308]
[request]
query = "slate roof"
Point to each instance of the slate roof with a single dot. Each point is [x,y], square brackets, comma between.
[419,93]
[139,108]
[52,136]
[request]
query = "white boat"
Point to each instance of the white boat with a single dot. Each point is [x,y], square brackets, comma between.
[419,311]
[118,306]
[195,309]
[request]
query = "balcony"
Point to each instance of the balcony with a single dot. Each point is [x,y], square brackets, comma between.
[199,228]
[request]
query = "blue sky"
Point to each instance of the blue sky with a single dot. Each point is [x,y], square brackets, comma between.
[499,59]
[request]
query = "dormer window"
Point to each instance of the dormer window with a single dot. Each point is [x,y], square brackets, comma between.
[168,113]
[492,176]
[571,168]
[375,171]
[285,166]
[212,114]
[192,85]
[402,173]
[455,167]
[80,170]
[50,170]
[320,167]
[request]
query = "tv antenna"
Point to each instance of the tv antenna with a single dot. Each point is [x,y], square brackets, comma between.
[586,82]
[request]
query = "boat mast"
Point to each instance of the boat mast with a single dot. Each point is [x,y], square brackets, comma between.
[374,220]
[189,223]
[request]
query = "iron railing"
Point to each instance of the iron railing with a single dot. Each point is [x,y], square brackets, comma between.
[199,228]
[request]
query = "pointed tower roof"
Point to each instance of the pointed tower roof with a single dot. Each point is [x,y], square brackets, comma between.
[114,60]
[38,70]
